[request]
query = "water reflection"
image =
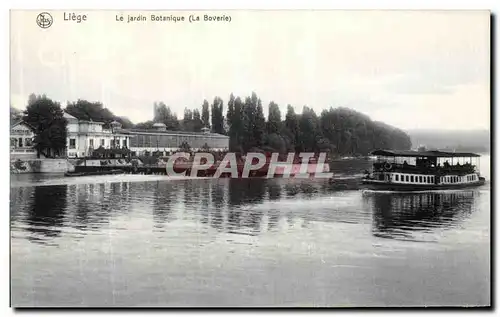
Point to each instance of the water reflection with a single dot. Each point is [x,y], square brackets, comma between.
[45,215]
[163,196]
[406,215]
[248,206]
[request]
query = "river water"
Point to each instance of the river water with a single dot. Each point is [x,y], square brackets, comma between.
[153,241]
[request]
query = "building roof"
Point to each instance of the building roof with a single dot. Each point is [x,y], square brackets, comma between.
[152,131]
[19,122]
[423,153]
[68,116]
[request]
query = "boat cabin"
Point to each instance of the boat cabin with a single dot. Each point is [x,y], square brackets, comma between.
[425,167]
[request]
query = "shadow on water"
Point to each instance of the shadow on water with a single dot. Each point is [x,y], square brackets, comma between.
[402,216]
[45,216]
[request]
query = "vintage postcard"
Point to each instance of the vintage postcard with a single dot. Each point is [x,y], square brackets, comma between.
[250,158]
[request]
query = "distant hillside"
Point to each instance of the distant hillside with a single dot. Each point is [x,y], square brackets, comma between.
[460,140]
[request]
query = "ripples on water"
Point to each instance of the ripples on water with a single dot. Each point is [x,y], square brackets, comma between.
[148,241]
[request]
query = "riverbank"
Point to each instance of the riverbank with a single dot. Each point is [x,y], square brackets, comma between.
[19,166]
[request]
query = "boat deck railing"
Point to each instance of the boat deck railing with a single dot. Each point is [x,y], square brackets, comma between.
[405,168]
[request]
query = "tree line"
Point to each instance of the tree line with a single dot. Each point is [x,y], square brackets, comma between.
[340,131]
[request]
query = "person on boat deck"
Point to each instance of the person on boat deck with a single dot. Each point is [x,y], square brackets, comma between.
[446,164]
[405,163]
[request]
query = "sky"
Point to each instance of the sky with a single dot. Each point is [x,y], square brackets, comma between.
[410,69]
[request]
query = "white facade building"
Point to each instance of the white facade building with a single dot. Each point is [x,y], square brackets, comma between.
[86,136]
[21,141]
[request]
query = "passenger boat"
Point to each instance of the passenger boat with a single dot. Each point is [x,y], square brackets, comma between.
[422,170]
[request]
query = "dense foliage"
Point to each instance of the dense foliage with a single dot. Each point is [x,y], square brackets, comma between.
[341,131]
[49,125]
[95,111]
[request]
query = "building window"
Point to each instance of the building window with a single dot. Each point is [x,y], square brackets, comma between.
[20,142]
[91,142]
[103,142]
[125,143]
[72,143]
[28,142]
[13,142]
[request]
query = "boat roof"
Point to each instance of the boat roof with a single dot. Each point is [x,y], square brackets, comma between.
[423,153]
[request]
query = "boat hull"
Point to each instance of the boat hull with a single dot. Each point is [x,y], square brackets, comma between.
[94,173]
[385,186]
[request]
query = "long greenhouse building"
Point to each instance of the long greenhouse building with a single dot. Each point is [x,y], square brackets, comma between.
[159,139]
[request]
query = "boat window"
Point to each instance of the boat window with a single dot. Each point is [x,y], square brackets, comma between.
[411,178]
[407,178]
[420,179]
[397,178]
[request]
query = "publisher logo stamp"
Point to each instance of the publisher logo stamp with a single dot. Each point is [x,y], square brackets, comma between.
[44,20]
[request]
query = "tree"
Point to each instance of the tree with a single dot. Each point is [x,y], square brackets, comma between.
[292,127]
[15,115]
[218,116]
[310,132]
[230,110]
[49,125]
[273,118]
[187,121]
[260,122]
[205,114]
[197,122]
[95,111]
[236,125]
[164,115]
[145,125]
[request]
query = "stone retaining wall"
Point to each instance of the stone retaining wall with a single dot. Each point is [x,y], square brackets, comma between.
[19,166]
